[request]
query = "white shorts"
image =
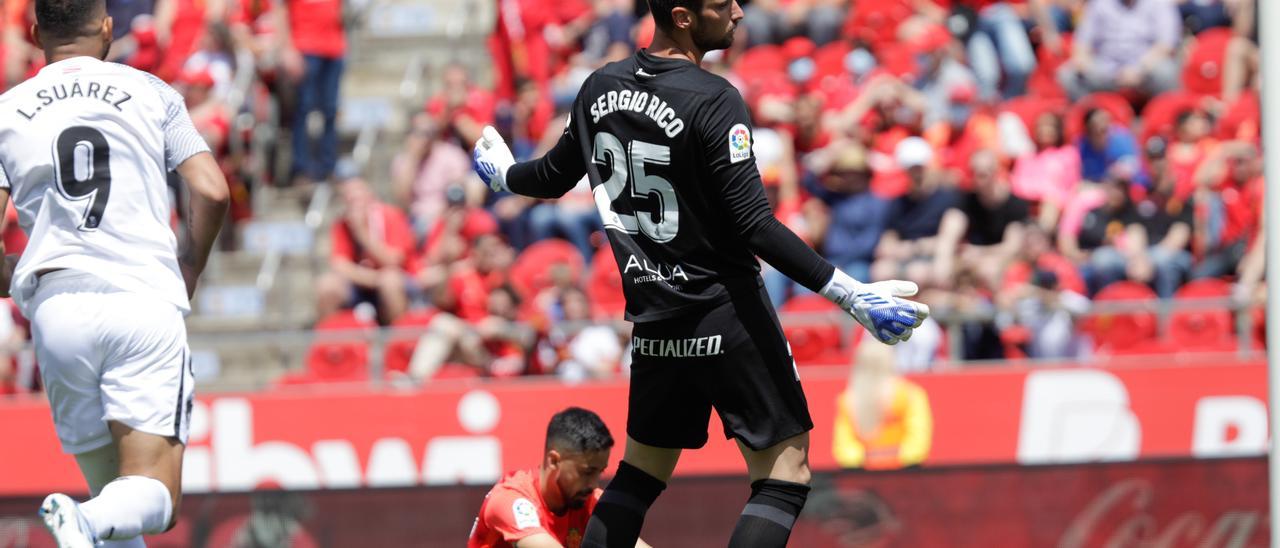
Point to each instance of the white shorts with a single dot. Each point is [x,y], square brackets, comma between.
[110,355]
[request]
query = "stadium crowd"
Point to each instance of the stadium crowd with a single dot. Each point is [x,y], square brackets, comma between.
[267,60]
[1018,159]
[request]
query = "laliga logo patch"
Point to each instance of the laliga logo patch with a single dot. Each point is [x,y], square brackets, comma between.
[739,143]
[526,514]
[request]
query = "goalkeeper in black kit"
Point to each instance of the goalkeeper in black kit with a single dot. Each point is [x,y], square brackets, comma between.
[666,147]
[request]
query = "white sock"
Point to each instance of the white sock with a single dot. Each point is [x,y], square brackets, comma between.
[135,542]
[128,507]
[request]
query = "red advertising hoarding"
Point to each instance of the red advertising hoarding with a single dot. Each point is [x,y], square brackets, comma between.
[1157,504]
[472,432]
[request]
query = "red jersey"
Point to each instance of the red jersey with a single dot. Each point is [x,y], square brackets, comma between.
[386,223]
[514,509]
[316,26]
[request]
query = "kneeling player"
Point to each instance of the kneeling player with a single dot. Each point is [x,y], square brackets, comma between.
[549,507]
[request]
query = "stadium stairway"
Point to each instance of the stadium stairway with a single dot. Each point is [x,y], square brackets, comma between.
[252,316]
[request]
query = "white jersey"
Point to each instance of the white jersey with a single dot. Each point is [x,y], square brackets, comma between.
[85,148]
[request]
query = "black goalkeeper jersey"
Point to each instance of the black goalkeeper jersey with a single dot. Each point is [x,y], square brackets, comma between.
[666,147]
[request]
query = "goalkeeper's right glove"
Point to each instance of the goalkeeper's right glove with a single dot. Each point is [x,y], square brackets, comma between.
[491,159]
[877,306]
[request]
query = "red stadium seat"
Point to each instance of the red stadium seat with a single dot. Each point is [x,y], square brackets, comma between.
[814,343]
[1114,103]
[604,285]
[455,371]
[1202,71]
[1203,328]
[1161,113]
[760,60]
[399,350]
[533,269]
[1029,108]
[899,60]
[876,22]
[828,60]
[1117,332]
[345,360]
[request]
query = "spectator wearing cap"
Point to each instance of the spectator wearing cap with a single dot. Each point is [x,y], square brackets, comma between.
[1105,147]
[835,178]
[1050,174]
[1124,45]
[773,21]
[857,216]
[372,257]
[214,56]
[208,113]
[906,250]
[315,53]
[985,229]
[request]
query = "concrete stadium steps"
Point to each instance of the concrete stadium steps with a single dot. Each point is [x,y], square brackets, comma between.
[246,363]
[391,38]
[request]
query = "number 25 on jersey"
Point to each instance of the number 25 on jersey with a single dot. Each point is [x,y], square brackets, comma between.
[629,166]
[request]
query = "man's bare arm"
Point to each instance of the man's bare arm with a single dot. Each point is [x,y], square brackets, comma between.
[209,199]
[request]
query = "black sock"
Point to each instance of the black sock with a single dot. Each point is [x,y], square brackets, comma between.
[619,513]
[770,512]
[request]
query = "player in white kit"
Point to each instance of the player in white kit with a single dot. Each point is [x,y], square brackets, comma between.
[85,147]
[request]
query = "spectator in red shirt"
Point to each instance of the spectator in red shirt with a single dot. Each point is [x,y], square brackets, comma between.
[316,34]
[549,506]
[1230,187]
[461,109]
[180,27]
[373,255]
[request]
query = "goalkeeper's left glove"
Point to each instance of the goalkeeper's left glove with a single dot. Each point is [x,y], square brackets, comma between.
[491,159]
[877,306]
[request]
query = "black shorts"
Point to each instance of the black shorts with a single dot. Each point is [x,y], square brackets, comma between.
[732,357]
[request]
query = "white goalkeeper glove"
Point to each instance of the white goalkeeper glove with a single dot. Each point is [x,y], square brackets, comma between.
[877,306]
[491,159]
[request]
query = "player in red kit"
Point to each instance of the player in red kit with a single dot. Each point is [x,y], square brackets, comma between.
[548,507]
